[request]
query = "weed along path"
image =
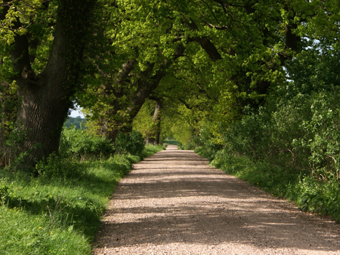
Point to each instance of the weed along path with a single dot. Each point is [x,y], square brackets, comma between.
[174,203]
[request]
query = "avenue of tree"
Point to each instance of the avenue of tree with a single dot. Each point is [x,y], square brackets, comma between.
[182,68]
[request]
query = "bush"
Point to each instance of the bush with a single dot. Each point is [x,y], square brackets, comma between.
[207,145]
[3,192]
[82,145]
[318,197]
[13,156]
[132,143]
[56,167]
[187,146]
[324,136]
[151,149]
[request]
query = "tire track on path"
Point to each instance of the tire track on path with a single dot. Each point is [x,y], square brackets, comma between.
[174,203]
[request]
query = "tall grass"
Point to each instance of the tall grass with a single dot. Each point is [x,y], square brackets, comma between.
[54,214]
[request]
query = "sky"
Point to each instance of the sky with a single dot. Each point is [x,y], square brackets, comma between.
[76,112]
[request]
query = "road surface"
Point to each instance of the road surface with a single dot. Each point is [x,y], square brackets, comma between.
[174,203]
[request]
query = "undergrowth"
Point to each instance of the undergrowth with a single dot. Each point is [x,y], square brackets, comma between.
[58,213]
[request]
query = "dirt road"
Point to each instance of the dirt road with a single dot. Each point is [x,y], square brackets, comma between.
[174,203]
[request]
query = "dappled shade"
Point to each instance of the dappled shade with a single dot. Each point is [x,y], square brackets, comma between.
[174,202]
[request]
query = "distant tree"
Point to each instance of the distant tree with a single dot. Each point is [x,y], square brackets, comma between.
[78,122]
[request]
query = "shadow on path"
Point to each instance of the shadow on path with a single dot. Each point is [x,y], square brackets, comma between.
[174,203]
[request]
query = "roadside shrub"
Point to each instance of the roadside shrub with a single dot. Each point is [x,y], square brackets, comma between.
[132,143]
[3,191]
[13,156]
[56,167]
[151,149]
[301,133]
[207,145]
[249,136]
[82,145]
[324,136]
[318,197]
[187,146]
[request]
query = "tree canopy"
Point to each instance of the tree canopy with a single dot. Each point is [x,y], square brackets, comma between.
[161,67]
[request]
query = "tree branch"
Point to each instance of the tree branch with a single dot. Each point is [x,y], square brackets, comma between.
[205,43]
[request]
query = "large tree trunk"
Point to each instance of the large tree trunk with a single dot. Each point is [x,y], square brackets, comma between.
[45,98]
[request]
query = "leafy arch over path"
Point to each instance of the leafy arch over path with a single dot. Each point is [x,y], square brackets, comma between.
[214,58]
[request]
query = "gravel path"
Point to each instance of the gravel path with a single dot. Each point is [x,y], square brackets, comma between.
[174,203]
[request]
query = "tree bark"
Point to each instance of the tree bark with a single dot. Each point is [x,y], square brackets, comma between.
[204,42]
[46,98]
[156,119]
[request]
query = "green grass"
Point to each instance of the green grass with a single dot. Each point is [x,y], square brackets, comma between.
[51,215]
[152,149]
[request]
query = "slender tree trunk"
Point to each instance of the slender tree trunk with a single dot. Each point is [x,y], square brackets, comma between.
[156,119]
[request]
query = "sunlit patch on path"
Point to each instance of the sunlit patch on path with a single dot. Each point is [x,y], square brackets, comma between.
[174,203]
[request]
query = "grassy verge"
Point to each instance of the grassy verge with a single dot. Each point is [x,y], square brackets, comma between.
[53,215]
[308,193]
[152,149]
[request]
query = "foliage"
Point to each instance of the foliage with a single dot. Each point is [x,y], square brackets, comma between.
[55,215]
[317,197]
[297,127]
[253,84]
[14,156]
[132,143]
[224,66]
[301,133]
[152,149]
[78,122]
[170,140]
[187,146]
[271,178]
[55,167]
[79,144]
[324,136]
[207,145]
[41,39]
[143,121]
[290,146]
[3,192]
[8,105]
